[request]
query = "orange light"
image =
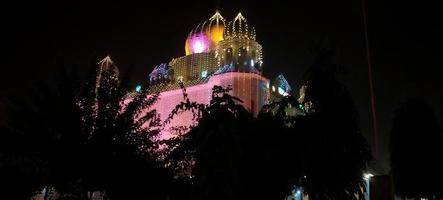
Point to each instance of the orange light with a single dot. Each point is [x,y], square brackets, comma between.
[216,34]
[187,48]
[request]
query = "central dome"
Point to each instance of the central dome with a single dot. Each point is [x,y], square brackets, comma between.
[206,35]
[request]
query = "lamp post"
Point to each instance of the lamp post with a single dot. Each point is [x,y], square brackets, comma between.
[367,177]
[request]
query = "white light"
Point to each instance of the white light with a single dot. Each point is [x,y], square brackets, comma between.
[204,74]
[138,88]
[199,47]
[252,62]
[273,88]
[281,91]
[367,176]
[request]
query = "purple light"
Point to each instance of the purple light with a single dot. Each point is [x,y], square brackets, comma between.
[199,43]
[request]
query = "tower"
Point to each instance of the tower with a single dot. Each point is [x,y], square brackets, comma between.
[239,50]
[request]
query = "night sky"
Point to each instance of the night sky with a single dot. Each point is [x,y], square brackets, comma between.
[405,42]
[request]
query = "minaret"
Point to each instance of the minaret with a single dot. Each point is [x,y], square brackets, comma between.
[106,65]
[239,50]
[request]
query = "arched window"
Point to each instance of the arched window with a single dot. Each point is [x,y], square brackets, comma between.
[242,57]
[229,56]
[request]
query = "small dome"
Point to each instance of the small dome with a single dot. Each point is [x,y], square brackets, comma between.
[206,35]
[239,28]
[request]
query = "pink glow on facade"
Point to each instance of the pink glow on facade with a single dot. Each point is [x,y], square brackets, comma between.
[252,89]
[199,43]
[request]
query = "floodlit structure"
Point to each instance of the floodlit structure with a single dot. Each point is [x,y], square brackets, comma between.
[217,53]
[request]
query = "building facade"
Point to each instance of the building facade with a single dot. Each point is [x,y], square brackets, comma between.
[217,53]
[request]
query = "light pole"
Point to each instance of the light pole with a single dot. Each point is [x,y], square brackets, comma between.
[367,177]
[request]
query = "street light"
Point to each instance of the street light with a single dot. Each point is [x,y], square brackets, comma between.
[367,176]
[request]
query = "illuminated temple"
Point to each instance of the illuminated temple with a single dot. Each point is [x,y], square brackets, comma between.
[217,53]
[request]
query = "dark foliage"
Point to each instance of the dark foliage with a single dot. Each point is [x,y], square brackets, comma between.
[416,151]
[232,155]
[90,137]
[79,138]
[335,153]
[228,153]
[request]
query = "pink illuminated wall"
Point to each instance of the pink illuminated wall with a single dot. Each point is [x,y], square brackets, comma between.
[252,89]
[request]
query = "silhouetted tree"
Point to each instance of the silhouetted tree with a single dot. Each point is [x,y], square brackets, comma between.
[314,142]
[212,148]
[320,146]
[416,151]
[42,136]
[282,144]
[22,172]
[93,137]
[231,154]
[122,141]
[334,152]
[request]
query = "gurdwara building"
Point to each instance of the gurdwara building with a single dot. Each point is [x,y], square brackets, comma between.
[217,53]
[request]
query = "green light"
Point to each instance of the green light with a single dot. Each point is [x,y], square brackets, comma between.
[301,106]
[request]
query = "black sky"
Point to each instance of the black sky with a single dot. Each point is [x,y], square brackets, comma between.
[405,42]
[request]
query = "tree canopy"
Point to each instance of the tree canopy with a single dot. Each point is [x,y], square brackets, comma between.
[93,136]
[314,143]
[416,149]
[85,138]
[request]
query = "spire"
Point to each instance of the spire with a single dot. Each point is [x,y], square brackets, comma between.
[106,62]
[217,19]
[217,16]
[240,17]
[239,28]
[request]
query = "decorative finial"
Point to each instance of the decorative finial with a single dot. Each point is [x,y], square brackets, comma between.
[107,61]
[217,16]
[240,17]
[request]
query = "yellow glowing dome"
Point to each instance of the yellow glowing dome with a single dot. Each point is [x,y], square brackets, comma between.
[216,33]
[206,35]
[187,49]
